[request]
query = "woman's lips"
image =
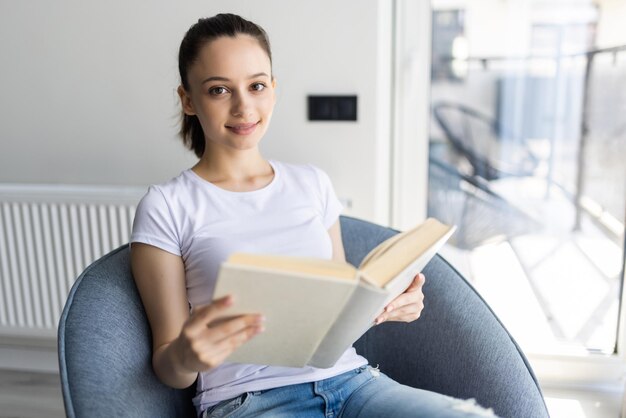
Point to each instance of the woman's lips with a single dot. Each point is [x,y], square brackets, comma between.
[243,128]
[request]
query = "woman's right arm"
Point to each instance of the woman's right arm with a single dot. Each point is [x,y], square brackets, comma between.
[183,343]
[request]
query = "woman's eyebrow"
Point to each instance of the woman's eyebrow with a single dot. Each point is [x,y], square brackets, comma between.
[259,75]
[215,78]
[218,78]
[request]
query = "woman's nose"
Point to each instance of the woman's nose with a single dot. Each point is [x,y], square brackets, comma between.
[240,105]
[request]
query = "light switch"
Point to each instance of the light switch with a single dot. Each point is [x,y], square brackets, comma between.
[339,108]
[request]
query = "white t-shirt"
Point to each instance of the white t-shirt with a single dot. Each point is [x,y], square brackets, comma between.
[191,217]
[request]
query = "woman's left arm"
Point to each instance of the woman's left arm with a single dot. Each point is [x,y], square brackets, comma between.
[405,308]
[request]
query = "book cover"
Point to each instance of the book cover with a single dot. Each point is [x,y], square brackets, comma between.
[316,309]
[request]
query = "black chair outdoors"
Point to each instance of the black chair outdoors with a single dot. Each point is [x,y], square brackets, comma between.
[492,152]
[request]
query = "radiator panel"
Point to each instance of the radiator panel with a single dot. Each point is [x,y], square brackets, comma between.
[48,236]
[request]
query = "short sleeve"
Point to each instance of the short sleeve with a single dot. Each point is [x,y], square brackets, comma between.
[331,205]
[154,223]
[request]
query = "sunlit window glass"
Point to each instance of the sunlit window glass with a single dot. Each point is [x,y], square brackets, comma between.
[528,158]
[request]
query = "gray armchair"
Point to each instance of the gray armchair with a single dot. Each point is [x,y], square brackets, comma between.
[458,347]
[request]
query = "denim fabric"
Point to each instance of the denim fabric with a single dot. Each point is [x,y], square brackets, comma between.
[361,393]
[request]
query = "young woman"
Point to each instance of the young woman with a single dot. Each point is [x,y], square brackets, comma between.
[233,199]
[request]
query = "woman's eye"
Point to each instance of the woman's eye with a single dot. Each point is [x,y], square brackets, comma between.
[217,91]
[258,86]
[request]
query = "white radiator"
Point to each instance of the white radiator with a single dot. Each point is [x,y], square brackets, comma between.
[48,235]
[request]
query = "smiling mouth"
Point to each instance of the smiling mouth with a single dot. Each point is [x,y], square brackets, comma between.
[243,128]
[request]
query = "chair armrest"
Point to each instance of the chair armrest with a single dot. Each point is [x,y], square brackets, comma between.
[457,347]
[105,349]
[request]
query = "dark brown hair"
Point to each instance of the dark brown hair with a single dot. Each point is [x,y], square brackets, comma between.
[202,32]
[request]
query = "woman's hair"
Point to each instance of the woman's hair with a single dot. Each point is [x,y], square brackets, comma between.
[204,31]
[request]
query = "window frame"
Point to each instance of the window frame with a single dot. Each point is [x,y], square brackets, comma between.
[412,37]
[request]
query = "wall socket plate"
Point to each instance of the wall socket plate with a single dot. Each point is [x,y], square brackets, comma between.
[332,108]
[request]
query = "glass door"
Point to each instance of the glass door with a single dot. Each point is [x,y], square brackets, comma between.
[528,157]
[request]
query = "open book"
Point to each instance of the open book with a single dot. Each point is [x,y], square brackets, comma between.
[315,309]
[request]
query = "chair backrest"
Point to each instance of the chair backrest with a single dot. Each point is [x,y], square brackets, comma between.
[458,347]
[105,349]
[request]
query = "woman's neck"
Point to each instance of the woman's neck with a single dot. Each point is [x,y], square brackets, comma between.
[243,171]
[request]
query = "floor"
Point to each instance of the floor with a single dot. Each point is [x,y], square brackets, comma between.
[549,283]
[36,395]
[582,404]
[30,395]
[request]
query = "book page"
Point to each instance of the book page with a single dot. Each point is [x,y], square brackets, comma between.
[299,310]
[365,304]
[307,265]
[382,247]
[414,245]
[403,280]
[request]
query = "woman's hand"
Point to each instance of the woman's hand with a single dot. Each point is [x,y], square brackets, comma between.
[408,306]
[208,338]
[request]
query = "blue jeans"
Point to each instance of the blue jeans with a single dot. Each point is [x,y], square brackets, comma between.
[360,393]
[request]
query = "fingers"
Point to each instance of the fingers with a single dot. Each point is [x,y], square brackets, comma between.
[209,336]
[417,283]
[203,315]
[407,298]
[225,327]
[407,313]
[416,286]
[408,306]
[210,324]
[229,336]
[212,352]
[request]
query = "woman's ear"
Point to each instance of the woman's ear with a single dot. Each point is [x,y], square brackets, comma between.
[185,101]
[274,90]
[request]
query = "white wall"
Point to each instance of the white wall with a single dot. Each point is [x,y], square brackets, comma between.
[88,90]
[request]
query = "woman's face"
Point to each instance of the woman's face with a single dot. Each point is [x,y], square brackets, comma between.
[231,92]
